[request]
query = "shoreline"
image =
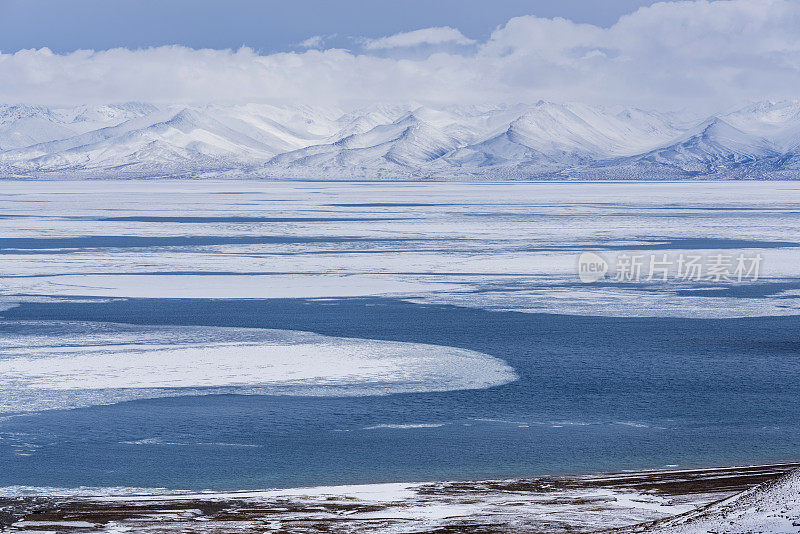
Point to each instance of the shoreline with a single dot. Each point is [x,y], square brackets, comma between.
[584,503]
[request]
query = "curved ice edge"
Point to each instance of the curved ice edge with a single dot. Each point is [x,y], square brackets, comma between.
[48,364]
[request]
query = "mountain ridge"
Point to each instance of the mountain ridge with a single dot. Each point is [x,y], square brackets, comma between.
[521,141]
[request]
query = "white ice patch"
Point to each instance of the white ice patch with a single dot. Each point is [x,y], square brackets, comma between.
[45,365]
[404,426]
[295,285]
[496,246]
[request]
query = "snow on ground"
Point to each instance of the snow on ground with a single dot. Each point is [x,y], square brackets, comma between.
[629,501]
[47,365]
[389,508]
[772,508]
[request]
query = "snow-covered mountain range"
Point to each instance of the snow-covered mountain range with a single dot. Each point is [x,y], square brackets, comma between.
[542,140]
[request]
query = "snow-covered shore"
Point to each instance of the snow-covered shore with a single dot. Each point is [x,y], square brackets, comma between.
[772,507]
[743,499]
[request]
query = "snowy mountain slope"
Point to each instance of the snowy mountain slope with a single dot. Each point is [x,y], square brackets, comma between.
[777,122]
[31,130]
[22,126]
[411,141]
[770,508]
[760,140]
[552,137]
[175,139]
[515,141]
[447,140]
[715,144]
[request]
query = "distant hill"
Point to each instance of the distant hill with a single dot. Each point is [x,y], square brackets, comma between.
[525,141]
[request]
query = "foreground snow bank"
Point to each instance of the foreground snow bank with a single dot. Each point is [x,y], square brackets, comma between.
[773,507]
[549,505]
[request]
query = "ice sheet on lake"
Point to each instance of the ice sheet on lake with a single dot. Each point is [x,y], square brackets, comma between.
[502,246]
[46,365]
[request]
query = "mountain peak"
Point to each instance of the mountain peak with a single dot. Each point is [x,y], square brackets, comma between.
[513,140]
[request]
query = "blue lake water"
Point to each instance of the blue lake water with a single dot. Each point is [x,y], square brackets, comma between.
[594,394]
[612,375]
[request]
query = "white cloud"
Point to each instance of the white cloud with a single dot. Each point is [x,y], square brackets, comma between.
[315,41]
[680,54]
[426,36]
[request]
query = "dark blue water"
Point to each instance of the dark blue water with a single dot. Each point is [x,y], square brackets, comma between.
[595,394]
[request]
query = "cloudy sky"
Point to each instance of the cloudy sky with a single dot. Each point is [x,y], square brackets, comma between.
[668,55]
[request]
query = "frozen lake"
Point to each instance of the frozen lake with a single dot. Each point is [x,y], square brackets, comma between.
[234,335]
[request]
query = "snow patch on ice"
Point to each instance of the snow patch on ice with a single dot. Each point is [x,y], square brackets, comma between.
[406,426]
[47,364]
